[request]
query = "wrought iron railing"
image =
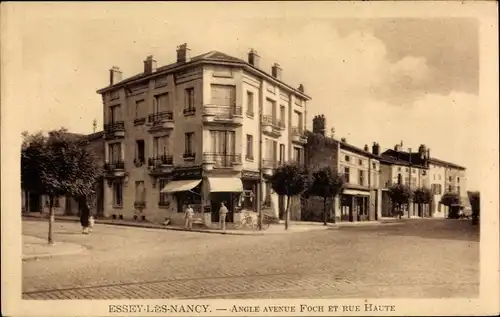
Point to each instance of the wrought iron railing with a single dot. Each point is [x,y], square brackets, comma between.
[189,155]
[189,111]
[161,160]
[114,165]
[114,126]
[222,159]
[297,131]
[160,116]
[269,163]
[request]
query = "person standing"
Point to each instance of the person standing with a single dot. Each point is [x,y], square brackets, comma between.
[189,213]
[84,215]
[222,216]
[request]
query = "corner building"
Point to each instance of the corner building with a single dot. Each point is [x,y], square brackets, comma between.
[189,133]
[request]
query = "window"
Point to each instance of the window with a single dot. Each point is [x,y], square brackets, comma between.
[250,103]
[297,153]
[189,101]
[223,142]
[117,194]
[434,177]
[140,107]
[163,196]
[413,171]
[347,158]
[439,177]
[346,174]
[115,152]
[223,95]
[449,178]
[275,152]
[139,151]
[360,162]
[413,182]
[282,153]
[160,103]
[458,189]
[458,179]
[424,172]
[188,146]
[140,191]
[406,169]
[407,181]
[282,114]
[399,169]
[113,114]
[374,166]
[298,116]
[449,188]
[249,154]
[361,178]
[57,202]
[400,179]
[160,146]
[439,207]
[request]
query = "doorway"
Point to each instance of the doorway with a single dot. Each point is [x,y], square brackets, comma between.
[34,202]
[215,201]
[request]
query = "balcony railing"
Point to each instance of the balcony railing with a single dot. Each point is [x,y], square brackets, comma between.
[297,131]
[268,119]
[222,112]
[114,165]
[222,159]
[160,116]
[114,127]
[281,124]
[189,155]
[189,111]
[160,160]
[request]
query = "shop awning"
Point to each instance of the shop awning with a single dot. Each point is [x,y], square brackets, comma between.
[180,186]
[355,192]
[225,184]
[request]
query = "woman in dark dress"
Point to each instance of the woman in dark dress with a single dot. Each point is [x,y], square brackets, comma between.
[84,215]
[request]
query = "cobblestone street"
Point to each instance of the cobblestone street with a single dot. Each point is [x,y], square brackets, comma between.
[416,258]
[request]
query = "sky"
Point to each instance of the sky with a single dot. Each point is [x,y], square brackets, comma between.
[375,79]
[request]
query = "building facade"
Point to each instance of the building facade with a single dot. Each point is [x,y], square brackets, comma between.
[192,132]
[361,197]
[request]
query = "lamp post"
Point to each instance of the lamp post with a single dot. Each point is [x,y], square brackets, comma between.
[259,184]
[410,202]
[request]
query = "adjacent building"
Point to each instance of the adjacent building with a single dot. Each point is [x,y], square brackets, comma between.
[197,132]
[67,205]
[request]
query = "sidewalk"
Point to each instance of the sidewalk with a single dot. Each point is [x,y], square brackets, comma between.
[36,248]
[295,226]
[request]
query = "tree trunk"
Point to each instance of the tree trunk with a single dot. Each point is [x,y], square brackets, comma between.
[409,210]
[51,219]
[334,211]
[287,212]
[325,215]
[400,211]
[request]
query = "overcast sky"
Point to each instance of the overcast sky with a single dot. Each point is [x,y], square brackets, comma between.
[383,80]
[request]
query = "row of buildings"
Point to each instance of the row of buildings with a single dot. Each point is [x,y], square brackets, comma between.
[201,130]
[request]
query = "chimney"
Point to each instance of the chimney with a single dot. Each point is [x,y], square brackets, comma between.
[366,148]
[115,75]
[343,140]
[276,71]
[376,148]
[301,88]
[183,53]
[253,58]
[150,65]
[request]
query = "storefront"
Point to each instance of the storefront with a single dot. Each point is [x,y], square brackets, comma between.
[225,190]
[355,205]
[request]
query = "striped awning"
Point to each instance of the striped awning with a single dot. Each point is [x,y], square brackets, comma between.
[225,184]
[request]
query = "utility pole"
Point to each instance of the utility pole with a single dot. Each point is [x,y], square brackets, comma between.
[410,203]
[259,184]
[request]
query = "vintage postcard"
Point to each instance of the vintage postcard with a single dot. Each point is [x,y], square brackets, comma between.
[250,158]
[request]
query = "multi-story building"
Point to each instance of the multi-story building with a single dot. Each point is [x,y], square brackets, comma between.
[407,168]
[361,197]
[191,133]
[419,169]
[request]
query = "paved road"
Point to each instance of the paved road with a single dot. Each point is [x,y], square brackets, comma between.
[418,258]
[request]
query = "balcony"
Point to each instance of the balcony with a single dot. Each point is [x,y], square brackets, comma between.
[222,161]
[227,115]
[114,130]
[298,136]
[189,111]
[268,165]
[115,168]
[271,126]
[163,120]
[189,156]
[160,164]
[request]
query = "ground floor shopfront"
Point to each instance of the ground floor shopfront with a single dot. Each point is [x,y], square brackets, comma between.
[165,196]
[411,210]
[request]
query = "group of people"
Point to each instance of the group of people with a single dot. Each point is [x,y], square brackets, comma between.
[189,214]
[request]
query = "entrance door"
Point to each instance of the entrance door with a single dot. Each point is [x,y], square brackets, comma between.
[34,202]
[215,201]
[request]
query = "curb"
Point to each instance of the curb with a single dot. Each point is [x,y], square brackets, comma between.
[146,226]
[51,255]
